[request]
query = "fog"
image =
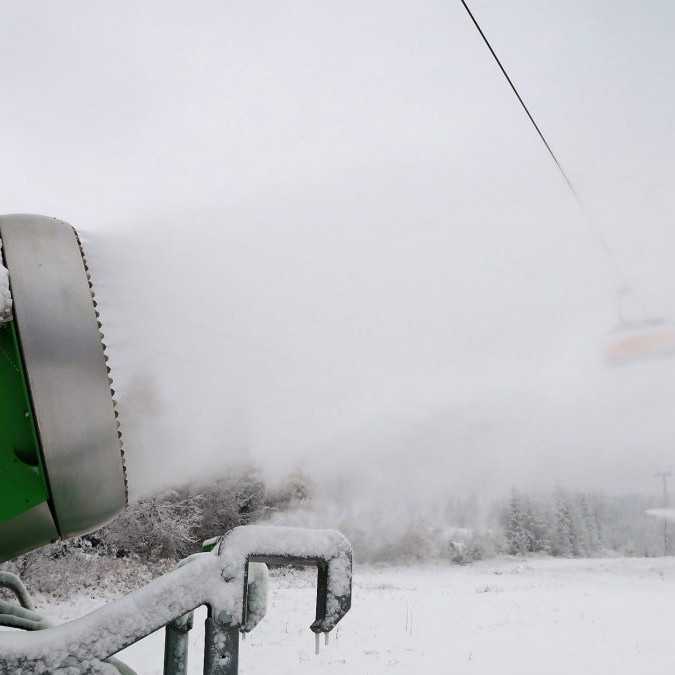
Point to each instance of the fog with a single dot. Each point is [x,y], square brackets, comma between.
[324,235]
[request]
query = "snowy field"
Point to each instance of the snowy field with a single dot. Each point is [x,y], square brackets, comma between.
[537,616]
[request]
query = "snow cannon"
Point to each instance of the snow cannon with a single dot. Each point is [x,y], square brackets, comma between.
[62,474]
[62,468]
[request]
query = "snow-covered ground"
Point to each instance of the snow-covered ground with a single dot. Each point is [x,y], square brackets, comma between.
[613,616]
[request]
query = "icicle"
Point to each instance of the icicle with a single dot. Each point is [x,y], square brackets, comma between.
[243,636]
[326,635]
[317,647]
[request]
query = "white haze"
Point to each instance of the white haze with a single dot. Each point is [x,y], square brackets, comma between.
[324,235]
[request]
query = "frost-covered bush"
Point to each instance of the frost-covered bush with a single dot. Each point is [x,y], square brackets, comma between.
[172,524]
[238,498]
[61,570]
[158,527]
[478,546]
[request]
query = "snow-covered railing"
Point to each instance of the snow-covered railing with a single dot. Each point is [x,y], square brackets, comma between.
[223,579]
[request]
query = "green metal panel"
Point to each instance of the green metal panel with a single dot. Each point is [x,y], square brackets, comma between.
[22,481]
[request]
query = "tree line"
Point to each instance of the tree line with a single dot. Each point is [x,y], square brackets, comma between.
[580,524]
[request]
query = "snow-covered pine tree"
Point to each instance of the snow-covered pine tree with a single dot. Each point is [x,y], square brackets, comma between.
[565,535]
[515,527]
[539,527]
[590,529]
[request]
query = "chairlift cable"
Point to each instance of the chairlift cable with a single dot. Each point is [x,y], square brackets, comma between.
[595,232]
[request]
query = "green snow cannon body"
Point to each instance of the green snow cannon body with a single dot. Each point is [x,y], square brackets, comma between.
[61,460]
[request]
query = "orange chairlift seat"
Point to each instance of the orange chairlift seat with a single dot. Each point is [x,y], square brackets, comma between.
[638,340]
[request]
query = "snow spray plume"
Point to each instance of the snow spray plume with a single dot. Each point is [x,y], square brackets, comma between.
[398,287]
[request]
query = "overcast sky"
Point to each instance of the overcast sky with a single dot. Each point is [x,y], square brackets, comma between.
[324,233]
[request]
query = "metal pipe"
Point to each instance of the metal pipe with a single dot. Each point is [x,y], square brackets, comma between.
[221,646]
[176,642]
[13,583]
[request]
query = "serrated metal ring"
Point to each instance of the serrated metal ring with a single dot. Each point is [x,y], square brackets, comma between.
[67,372]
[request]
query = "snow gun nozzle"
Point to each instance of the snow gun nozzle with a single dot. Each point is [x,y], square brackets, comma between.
[327,550]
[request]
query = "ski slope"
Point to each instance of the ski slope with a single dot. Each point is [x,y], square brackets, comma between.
[609,616]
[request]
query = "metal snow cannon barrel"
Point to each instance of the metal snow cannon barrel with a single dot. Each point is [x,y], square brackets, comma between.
[61,459]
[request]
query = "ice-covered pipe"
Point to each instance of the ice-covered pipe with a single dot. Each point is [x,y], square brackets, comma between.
[217,579]
[176,641]
[327,549]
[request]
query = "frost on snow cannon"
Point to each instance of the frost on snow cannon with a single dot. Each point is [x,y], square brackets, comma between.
[62,474]
[61,461]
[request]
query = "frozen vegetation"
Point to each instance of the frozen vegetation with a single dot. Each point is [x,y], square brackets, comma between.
[157,531]
[512,580]
[511,615]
